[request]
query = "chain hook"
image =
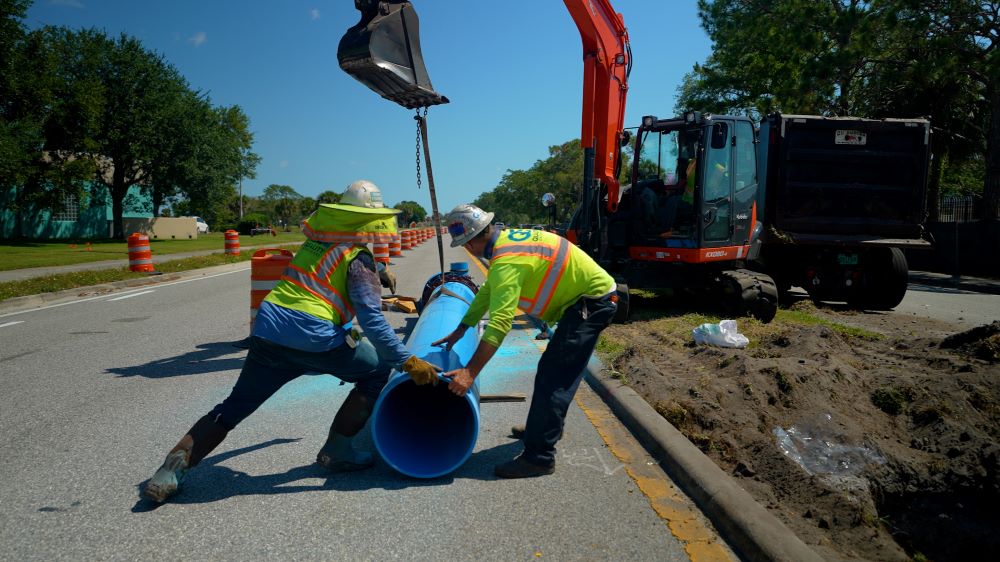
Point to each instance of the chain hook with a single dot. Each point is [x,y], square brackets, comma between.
[417,118]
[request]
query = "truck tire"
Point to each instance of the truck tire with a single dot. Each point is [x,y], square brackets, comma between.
[886,280]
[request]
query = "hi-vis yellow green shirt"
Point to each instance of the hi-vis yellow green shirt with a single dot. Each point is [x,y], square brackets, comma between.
[540,273]
[315,282]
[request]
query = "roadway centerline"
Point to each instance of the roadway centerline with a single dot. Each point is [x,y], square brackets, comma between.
[123,297]
[11,323]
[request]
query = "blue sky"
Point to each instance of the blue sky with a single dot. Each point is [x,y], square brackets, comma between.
[512,69]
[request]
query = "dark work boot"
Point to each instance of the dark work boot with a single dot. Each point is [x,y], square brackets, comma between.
[200,440]
[338,453]
[517,431]
[522,468]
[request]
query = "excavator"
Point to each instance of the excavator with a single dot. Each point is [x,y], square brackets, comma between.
[687,220]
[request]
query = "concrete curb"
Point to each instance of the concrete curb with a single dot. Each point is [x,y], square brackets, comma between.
[21,304]
[747,526]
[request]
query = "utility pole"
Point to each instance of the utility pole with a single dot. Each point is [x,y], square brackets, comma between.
[241,197]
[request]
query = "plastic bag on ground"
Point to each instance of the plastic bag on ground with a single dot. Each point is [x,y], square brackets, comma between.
[723,334]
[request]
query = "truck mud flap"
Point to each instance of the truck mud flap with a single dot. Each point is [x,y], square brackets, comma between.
[382,51]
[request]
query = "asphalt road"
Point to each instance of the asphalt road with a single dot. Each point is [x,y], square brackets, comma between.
[95,389]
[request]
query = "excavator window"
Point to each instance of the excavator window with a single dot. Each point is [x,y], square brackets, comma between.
[658,158]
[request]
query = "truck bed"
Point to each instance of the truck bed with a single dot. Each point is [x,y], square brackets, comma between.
[833,176]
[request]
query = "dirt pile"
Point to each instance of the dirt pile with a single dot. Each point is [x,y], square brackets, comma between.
[872,436]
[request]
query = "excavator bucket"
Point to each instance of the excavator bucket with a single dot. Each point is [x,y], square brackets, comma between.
[383,52]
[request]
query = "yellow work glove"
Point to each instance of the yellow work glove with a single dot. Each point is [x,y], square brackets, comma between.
[387,278]
[421,371]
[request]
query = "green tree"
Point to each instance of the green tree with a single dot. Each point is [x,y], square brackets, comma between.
[879,58]
[307,205]
[330,197]
[412,212]
[221,158]
[517,198]
[952,68]
[795,56]
[32,90]
[91,107]
[284,202]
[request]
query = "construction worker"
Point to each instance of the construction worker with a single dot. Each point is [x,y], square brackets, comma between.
[304,325]
[546,276]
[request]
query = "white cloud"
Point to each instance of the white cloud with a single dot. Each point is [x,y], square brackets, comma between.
[314,14]
[283,163]
[70,3]
[198,38]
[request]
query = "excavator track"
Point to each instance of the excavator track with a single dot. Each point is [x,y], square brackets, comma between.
[749,293]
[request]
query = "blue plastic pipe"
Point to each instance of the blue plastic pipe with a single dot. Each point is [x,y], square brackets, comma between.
[426,431]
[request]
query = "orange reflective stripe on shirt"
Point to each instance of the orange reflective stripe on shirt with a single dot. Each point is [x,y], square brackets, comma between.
[318,287]
[331,259]
[345,237]
[558,258]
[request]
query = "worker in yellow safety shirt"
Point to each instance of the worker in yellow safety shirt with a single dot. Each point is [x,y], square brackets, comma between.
[305,325]
[545,276]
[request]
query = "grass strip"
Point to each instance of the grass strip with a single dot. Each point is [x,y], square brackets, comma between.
[44,253]
[64,281]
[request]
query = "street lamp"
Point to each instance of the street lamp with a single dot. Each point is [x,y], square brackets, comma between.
[549,201]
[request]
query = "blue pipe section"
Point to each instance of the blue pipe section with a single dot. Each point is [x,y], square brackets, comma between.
[426,431]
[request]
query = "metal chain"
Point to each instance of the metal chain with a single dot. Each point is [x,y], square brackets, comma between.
[417,119]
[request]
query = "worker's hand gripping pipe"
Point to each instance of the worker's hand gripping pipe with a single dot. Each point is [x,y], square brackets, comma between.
[426,431]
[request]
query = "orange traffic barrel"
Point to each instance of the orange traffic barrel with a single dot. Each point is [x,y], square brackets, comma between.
[381,251]
[395,246]
[140,257]
[232,243]
[406,238]
[265,272]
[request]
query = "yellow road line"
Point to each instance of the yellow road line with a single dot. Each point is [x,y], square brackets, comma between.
[476,260]
[685,522]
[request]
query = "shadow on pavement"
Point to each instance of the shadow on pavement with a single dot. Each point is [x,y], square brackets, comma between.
[210,482]
[205,359]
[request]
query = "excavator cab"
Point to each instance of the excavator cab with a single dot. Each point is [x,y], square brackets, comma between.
[694,187]
[382,51]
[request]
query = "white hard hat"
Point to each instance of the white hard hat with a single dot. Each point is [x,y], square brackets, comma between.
[465,222]
[363,193]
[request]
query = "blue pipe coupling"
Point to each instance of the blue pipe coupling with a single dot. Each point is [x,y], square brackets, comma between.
[426,431]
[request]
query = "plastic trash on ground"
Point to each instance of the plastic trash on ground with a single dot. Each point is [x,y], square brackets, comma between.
[819,450]
[723,334]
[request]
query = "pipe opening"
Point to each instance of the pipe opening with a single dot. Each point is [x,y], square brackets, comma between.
[425,431]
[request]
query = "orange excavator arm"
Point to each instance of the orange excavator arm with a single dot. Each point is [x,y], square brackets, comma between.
[607,60]
[383,52]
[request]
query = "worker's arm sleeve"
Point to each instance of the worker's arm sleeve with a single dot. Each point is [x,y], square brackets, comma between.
[505,288]
[478,306]
[366,295]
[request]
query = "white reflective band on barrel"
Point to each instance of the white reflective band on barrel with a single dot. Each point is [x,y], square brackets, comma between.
[134,261]
[263,285]
[135,249]
[319,288]
[537,305]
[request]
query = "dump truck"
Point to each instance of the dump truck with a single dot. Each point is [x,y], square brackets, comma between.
[718,204]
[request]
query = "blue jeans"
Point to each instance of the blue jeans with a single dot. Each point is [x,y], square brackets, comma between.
[269,366]
[560,371]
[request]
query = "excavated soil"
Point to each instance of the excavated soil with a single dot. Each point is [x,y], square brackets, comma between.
[879,445]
